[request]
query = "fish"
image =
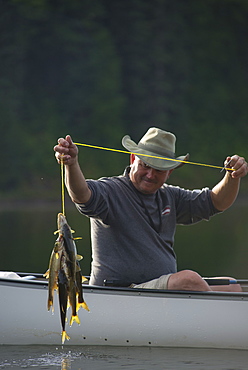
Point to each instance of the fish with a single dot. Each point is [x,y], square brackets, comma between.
[63,301]
[70,266]
[53,270]
[64,275]
[80,279]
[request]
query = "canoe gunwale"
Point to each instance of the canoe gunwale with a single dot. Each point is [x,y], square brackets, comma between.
[39,282]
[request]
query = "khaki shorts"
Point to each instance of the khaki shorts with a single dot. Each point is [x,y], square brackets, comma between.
[160,283]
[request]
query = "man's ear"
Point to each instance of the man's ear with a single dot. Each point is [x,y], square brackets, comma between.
[132,158]
[170,172]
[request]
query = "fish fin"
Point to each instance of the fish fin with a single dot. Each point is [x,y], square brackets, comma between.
[78,238]
[74,318]
[56,232]
[57,245]
[46,275]
[65,336]
[78,268]
[79,257]
[84,279]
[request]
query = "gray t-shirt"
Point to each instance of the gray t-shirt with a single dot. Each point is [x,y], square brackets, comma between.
[132,233]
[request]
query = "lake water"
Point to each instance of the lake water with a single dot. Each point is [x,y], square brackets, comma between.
[213,248]
[101,358]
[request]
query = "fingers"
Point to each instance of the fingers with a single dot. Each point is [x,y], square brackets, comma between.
[65,150]
[61,150]
[237,163]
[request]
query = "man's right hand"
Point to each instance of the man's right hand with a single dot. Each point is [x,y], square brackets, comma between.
[66,151]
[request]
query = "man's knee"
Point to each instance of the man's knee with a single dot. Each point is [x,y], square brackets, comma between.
[187,280]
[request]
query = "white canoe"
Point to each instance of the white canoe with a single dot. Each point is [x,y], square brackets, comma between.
[124,317]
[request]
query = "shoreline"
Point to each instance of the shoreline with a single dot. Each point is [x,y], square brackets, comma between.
[34,204]
[38,204]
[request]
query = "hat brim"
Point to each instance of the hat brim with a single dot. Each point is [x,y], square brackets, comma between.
[158,162]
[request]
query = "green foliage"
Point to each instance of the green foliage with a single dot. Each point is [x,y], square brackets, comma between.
[104,68]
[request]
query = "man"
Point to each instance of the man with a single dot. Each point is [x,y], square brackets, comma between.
[134,216]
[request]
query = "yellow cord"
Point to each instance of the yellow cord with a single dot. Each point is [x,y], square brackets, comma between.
[152,156]
[126,152]
[62,187]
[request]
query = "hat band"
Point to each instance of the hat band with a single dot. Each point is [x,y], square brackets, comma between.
[165,152]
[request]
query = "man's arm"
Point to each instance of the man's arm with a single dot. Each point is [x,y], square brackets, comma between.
[226,191]
[77,187]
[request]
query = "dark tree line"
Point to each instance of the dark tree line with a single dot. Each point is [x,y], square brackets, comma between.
[104,68]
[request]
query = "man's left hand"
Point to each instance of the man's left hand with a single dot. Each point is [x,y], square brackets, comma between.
[239,164]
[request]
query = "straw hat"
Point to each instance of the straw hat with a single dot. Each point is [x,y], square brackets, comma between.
[157,143]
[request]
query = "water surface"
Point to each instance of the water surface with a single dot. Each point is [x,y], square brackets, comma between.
[214,248]
[135,358]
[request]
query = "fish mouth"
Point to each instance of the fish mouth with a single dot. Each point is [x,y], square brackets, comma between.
[61,219]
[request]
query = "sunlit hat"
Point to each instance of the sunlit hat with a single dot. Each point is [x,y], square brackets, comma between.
[156,143]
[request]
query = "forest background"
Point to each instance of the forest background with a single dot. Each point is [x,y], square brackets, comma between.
[105,68]
[101,69]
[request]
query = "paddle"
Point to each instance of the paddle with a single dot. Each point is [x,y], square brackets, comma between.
[213,281]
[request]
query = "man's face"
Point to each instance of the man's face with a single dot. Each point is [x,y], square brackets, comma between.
[146,179]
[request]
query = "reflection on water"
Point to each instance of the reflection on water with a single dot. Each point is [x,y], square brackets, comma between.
[217,247]
[66,363]
[101,358]
[27,238]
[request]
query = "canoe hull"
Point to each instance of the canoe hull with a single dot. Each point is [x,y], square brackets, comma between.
[125,317]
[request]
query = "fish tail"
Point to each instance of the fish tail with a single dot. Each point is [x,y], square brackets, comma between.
[50,304]
[74,318]
[64,336]
[84,305]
